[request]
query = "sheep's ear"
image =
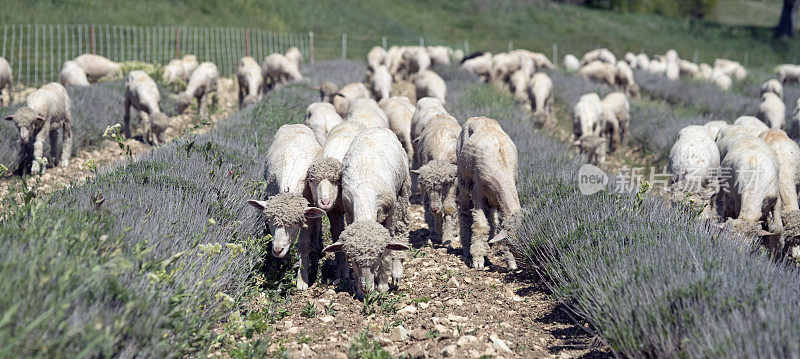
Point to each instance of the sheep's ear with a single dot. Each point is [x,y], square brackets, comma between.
[763,233]
[416,172]
[336,247]
[260,205]
[314,212]
[499,237]
[397,246]
[10,118]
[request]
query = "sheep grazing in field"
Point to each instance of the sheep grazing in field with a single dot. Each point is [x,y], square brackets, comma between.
[287,210]
[189,63]
[752,124]
[503,65]
[540,93]
[688,68]
[72,75]
[749,193]
[630,58]
[731,68]
[642,62]
[729,135]
[381,83]
[616,113]
[774,86]
[393,59]
[602,55]
[788,73]
[202,82]
[6,81]
[438,175]
[277,70]
[321,118]
[426,109]
[571,63]
[624,79]
[787,153]
[295,56]
[400,111]
[772,111]
[414,61]
[589,145]
[173,71]
[439,55]
[721,79]
[480,66]
[141,93]
[98,67]
[376,57]
[350,92]
[430,84]
[375,191]
[588,120]
[367,111]
[487,180]
[248,75]
[693,159]
[599,71]
[714,127]
[47,111]
[518,85]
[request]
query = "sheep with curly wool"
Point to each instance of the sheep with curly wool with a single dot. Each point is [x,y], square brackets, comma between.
[375,191]
[287,211]
[350,92]
[141,93]
[381,83]
[751,123]
[202,82]
[430,84]
[540,93]
[321,117]
[72,75]
[714,127]
[367,111]
[692,161]
[250,81]
[400,111]
[772,110]
[487,180]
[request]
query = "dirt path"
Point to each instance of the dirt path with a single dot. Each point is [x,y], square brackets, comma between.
[441,309]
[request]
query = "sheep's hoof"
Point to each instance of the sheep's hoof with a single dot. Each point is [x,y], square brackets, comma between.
[477,262]
[301,285]
[512,265]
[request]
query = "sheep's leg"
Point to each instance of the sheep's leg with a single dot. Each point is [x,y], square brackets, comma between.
[146,126]
[480,228]
[303,248]
[464,217]
[38,148]
[449,228]
[241,95]
[127,118]
[54,145]
[429,221]
[394,260]
[200,106]
[66,146]
[337,226]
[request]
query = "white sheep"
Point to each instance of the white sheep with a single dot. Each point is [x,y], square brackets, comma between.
[480,66]
[97,67]
[787,153]
[774,86]
[367,111]
[342,98]
[430,84]
[721,79]
[393,59]
[400,111]
[376,57]
[439,55]
[202,82]
[616,113]
[381,83]
[714,127]
[788,73]
[693,160]
[189,63]
[729,135]
[518,85]
[624,80]
[588,120]
[72,75]
[751,123]
[277,70]
[599,71]
[688,68]
[141,93]
[414,60]
[503,65]
[321,118]
[772,110]
[540,92]
[630,58]
[287,210]
[438,175]
[731,68]
[487,180]
[6,81]
[571,63]
[295,56]
[426,109]
[173,71]
[47,111]
[248,75]
[602,55]
[375,191]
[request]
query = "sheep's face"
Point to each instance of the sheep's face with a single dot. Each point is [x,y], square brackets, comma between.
[160,121]
[323,178]
[28,123]
[182,102]
[250,99]
[439,181]
[326,192]
[286,214]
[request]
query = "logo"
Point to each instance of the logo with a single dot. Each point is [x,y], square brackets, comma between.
[591,179]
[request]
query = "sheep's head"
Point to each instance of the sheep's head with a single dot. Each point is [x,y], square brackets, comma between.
[160,121]
[508,228]
[28,122]
[327,90]
[286,214]
[182,101]
[323,176]
[439,181]
[366,244]
[250,99]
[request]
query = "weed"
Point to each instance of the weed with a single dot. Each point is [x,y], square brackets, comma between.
[309,311]
[365,347]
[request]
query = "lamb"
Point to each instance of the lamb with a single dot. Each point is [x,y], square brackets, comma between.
[693,159]
[400,111]
[277,70]
[376,57]
[430,84]
[248,75]
[367,111]
[6,81]
[616,112]
[518,84]
[773,86]
[602,55]
[571,63]
[141,92]
[624,79]
[540,92]
[480,66]
[294,55]
[97,67]
[375,191]
[772,111]
[751,124]
[202,82]
[47,111]
[427,108]
[287,211]
[173,72]
[788,73]
[72,75]
[381,83]
[341,100]
[487,179]
[321,118]
[588,120]
[787,153]
[750,192]
[438,174]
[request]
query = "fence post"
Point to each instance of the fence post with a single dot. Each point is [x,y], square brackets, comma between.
[421,41]
[695,56]
[247,42]
[177,42]
[383,41]
[91,36]
[555,54]
[344,46]
[746,58]
[466,47]
[510,46]
[311,46]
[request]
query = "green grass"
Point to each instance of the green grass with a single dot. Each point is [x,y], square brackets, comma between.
[488,25]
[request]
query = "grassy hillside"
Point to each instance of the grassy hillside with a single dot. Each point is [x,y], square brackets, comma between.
[488,25]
